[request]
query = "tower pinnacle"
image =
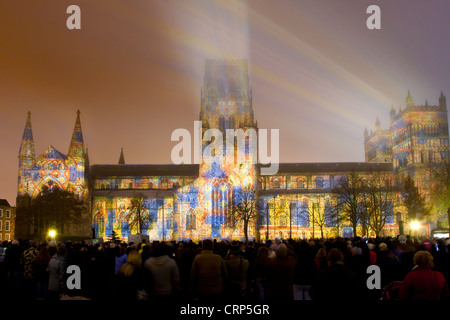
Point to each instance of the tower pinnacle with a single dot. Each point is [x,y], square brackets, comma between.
[442,101]
[377,124]
[76,148]
[26,151]
[121,158]
[409,100]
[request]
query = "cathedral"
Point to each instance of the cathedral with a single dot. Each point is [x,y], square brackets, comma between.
[195,201]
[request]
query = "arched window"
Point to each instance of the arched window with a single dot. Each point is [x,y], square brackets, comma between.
[319,182]
[283,221]
[276,182]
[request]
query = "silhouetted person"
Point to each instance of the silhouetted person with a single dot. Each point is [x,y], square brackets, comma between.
[262,261]
[280,274]
[26,260]
[357,263]
[39,266]
[208,272]
[237,268]
[187,258]
[13,267]
[120,259]
[57,273]
[132,282]
[305,272]
[321,259]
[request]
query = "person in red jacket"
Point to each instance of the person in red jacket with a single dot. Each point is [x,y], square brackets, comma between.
[422,282]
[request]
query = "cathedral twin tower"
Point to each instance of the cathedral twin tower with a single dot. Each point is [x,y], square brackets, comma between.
[52,168]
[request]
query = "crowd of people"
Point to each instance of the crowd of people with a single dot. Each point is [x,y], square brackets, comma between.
[315,269]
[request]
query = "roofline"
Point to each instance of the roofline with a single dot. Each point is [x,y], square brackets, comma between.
[306,167]
[121,170]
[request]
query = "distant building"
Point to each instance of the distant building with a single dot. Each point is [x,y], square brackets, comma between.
[7,221]
[416,142]
[420,140]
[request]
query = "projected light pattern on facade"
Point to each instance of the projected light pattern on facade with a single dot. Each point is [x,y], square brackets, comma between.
[195,201]
[52,168]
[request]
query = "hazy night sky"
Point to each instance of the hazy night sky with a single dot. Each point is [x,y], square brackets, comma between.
[135,70]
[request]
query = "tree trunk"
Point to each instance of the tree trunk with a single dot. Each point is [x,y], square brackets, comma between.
[290,222]
[246,231]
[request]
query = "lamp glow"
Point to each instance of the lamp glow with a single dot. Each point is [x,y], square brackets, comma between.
[52,234]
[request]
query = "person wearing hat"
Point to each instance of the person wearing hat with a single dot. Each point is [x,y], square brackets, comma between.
[237,268]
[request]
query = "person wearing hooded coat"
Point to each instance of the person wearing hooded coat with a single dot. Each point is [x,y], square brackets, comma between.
[164,272]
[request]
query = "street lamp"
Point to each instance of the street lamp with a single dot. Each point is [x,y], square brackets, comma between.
[52,234]
[414,225]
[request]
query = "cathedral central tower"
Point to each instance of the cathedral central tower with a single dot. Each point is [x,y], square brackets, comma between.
[226,97]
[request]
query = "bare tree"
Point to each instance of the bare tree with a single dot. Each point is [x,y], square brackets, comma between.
[243,211]
[318,215]
[379,199]
[350,195]
[138,215]
[337,218]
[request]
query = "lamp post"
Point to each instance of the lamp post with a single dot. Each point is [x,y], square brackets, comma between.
[400,223]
